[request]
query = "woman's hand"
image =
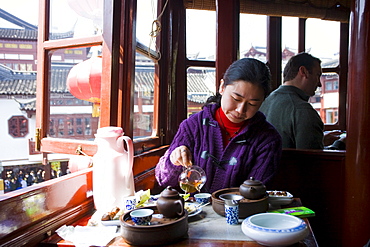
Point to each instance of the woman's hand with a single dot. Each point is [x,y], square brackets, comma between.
[181,156]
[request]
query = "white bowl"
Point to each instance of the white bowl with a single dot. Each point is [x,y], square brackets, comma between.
[274,229]
[276,199]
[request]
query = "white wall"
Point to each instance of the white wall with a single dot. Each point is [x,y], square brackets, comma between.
[13,148]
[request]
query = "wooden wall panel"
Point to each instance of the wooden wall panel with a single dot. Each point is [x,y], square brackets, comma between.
[316,177]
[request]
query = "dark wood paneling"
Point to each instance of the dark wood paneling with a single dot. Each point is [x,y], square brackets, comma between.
[317,178]
[144,172]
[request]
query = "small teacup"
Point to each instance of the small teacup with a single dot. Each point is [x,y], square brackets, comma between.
[130,203]
[202,198]
[142,216]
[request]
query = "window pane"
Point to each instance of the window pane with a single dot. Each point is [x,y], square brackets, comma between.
[253,36]
[201,84]
[85,18]
[144,96]
[322,38]
[326,98]
[200,26]
[289,40]
[146,14]
[322,41]
[74,94]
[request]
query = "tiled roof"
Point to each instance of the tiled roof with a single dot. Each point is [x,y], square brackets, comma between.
[27,34]
[18,87]
[8,73]
[29,106]
[26,31]
[23,83]
[30,35]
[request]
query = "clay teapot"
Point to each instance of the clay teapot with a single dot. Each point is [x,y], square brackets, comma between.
[252,189]
[170,203]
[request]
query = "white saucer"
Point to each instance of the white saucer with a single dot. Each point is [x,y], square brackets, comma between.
[193,206]
[110,222]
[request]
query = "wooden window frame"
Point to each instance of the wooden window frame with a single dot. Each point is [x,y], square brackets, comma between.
[116,104]
[17,133]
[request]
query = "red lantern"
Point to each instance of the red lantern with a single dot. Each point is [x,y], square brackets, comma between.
[84,82]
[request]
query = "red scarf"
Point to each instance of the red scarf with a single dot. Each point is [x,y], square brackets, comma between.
[228,128]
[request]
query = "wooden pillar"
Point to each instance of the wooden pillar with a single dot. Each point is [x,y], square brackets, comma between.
[172,68]
[301,35]
[227,36]
[356,214]
[118,59]
[274,49]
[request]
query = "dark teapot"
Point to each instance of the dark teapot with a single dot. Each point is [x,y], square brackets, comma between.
[170,203]
[252,189]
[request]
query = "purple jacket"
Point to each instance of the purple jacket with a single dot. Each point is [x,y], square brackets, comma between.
[254,152]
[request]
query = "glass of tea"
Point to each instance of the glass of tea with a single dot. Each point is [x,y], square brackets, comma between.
[192,179]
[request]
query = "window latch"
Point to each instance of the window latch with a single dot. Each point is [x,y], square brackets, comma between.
[38,140]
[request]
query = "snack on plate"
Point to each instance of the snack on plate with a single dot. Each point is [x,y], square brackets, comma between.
[190,208]
[277,193]
[111,214]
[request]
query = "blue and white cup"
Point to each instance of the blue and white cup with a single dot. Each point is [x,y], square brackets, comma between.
[202,198]
[232,214]
[142,216]
[130,203]
[231,207]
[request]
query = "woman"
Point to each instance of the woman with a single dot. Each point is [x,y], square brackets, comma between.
[230,139]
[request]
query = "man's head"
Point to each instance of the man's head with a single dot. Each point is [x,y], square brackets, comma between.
[303,71]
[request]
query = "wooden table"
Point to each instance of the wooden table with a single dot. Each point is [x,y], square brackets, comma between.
[193,239]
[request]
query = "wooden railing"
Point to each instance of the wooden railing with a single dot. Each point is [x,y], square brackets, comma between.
[29,215]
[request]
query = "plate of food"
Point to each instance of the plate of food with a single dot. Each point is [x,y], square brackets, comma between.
[279,197]
[192,209]
[111,218]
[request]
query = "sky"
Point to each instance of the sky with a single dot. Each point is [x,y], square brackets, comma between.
[322,36]
[24,9]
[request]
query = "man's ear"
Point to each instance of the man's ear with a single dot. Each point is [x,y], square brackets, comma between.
[222,87]
[303,71]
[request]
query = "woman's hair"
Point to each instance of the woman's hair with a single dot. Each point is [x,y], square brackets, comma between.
[246,69]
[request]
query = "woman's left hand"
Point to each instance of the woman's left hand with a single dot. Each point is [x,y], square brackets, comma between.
[181,156]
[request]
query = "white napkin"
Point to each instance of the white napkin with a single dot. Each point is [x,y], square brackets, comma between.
[84,236]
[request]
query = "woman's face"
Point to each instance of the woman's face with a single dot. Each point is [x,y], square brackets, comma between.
[240,100]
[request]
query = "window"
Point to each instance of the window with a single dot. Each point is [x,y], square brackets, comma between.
[130,97]
[322,41]
[74,90]
[18,126]
[200,26]
[200,86]
[143,97]
[253,36]
[201,78]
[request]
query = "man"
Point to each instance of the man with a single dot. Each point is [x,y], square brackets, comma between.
[287,108]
